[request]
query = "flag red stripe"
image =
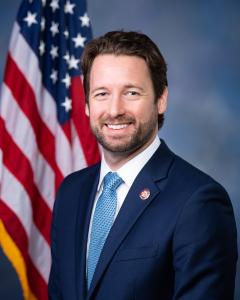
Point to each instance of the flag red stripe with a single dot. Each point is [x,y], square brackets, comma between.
[16,231]
[67,130]
[21,168]
[81,122]
[25,97]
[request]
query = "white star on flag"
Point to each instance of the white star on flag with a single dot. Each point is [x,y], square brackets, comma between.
[67,80]
[73,62]
[43,2]
[54,28]
[30,19]
[85,20]
[54,5]
[43,23]
[68,8]
[54,76]
[42,48]
[66,57]
[54,51]
[66,33]
[67,104]
[79,40]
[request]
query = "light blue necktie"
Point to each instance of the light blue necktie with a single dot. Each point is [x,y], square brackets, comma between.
[102,220]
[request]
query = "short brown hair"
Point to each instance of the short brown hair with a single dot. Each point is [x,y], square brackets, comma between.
[127,43]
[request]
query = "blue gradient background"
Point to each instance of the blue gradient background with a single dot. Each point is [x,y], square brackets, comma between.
[201,43]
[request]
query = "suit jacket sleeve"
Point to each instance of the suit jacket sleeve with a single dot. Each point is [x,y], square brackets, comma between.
[204,247]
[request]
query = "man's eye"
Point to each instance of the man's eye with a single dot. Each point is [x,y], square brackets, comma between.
[132,93]
[102,94]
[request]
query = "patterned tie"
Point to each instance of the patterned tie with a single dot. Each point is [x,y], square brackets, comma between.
[102,220]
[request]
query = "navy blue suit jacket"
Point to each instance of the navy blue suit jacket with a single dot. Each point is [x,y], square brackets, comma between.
[180,243]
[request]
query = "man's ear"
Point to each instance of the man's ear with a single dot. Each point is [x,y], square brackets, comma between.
[87,110]
[162,101]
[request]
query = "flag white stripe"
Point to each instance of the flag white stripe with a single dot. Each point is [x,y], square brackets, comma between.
[23,135]
[11,192]
[28,64]
[40,253]
[63,152]
[77,151]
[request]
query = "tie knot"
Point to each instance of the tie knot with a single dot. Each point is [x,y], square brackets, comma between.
[112,181]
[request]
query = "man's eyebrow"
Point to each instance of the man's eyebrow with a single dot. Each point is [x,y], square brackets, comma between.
[129,86]
[126,86]
[98,88]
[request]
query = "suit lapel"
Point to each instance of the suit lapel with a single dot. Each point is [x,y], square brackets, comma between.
[149,178]
[86,200]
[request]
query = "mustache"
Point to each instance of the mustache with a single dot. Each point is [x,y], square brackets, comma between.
[118,119]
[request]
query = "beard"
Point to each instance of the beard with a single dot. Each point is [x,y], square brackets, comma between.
[141,134]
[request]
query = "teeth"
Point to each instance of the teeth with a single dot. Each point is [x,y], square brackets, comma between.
[117,126]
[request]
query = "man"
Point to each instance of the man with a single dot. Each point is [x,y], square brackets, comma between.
[142,224]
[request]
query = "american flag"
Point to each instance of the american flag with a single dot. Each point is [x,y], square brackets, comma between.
[44,132]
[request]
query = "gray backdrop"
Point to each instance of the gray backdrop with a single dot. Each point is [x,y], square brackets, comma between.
[201,43]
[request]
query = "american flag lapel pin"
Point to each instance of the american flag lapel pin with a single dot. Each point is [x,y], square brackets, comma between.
[144,194]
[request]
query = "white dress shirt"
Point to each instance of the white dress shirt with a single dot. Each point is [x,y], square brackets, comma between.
[128,172]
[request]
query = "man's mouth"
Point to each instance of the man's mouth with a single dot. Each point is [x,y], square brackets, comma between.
[117,126]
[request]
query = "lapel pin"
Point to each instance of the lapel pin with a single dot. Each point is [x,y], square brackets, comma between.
[144,194]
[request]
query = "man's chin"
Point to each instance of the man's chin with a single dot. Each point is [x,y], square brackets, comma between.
[121,147]
[116,148]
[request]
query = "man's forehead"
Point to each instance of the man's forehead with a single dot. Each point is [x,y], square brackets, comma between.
[104,56]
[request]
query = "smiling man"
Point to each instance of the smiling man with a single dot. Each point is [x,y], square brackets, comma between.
[122,106]
[143,223]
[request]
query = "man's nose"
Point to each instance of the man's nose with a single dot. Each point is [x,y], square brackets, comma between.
[116,106]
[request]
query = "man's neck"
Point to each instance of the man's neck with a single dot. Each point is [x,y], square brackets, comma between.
[116,160]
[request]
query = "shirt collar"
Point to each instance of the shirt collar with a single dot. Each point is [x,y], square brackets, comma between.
[135,164]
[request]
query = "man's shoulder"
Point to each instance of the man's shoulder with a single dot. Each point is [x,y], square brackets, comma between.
[74,185]
[80,176]
[190,170]
[185,184]
[192,173]
[191,179]
[187,173]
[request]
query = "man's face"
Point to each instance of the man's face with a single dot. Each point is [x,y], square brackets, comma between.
[123,113]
